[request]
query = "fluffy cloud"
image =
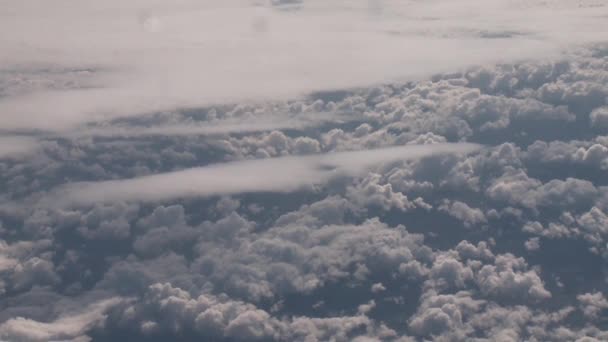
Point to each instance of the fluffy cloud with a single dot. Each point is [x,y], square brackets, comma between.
[301,259]
[593,304]
[599,118]
[508,278]
[347,214]
[167,309]
[461,211]
[26,264]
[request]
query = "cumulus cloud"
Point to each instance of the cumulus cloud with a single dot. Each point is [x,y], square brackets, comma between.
[365,210]
[165,308]
[24,265]
[507,277]
[301,259]
[593,304]
[599,118]
[461,211]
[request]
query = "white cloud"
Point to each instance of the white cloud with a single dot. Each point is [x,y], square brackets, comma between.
[599,117]
[278,267]
[63,328]
[221,318]
[592,304]
[508,278]
[216,127]
[461,211]
[262,175]
[142,56]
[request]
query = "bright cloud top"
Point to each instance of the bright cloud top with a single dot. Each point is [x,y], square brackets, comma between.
[68,327]
[94,60]
[264,175]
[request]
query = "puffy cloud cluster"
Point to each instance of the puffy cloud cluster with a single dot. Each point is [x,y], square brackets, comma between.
[461,211]
[167,309]
[468,206]
[461,317]
[599,118]
[25,264]
[297,258]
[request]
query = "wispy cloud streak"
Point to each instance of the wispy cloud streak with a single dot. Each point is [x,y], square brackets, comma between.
[216,127]
[284,174]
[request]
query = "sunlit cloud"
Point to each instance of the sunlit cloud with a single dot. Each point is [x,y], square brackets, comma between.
[146,56]
[68,327]
[283,174]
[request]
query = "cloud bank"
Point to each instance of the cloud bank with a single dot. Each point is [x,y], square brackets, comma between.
[265,175]
[87,61]
[420,199]
[15,146]
[505,242]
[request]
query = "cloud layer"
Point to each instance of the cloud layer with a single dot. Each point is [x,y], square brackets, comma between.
[266,175]
[305,170]
[89,60]
[409,232]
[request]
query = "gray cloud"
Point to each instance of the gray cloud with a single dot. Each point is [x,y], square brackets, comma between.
[367,214]
[16,146]
[167,59]
[72,327]
[265,175]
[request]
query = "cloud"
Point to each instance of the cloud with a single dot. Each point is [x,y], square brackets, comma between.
[24,265]
[599,118]
[16,146]
[169,309]
[461,211]
[262,175]
[250,124]
[593,304]
[127,58]
[438,313]
[508,278]
[371,194]
[374,243]
[296,259]
[68,327]
[460,316]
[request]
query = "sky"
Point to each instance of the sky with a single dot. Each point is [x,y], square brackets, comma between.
[304,170]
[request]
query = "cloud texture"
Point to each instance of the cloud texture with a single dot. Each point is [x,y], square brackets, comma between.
[303,170]
[83,61]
